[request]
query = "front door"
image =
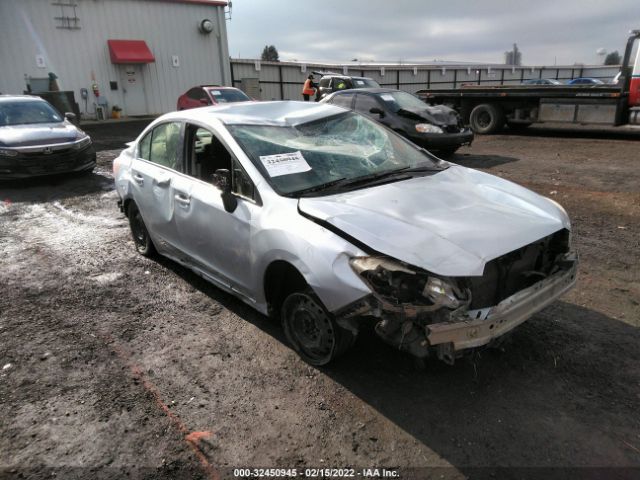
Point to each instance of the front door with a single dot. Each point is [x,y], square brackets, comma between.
[132,81]
[218,241]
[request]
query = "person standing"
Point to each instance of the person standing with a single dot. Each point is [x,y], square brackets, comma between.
[308,88]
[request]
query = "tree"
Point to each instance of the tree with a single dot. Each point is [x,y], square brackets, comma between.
[270,54]
[613,58]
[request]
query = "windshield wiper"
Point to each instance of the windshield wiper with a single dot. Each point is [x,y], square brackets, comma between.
[348,182]
[318,188]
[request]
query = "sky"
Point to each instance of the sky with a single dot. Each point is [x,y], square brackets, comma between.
[548,32]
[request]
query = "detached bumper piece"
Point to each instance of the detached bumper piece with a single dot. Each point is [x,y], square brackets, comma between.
[34,164]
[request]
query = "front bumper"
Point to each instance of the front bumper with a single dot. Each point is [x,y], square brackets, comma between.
[436,141]
[35,165]
[423,330]
[462,332]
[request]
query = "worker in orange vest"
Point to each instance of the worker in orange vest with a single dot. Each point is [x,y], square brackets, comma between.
[309,88]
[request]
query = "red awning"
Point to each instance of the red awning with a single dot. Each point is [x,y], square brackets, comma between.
[130,51]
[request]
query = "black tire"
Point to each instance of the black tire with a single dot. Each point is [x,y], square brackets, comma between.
[311,330]
[141,239]
[486,118]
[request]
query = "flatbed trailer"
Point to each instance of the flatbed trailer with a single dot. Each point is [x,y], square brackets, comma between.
[489,109]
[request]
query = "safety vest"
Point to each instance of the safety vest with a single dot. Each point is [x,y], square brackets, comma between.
[308,89]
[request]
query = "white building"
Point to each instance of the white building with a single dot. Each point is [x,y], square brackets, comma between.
[138,54]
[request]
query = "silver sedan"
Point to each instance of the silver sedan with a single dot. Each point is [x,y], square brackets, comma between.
[325,219]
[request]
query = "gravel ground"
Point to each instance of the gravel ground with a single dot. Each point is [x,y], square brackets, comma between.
[116,366]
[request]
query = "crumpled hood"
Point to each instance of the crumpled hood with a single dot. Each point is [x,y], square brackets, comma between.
[436,115]
[450,223]
[37,134]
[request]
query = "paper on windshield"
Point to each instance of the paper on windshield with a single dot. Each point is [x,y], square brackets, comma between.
[387,97]
[284,163]
[359,82]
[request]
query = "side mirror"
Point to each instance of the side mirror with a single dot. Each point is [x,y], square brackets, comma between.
[377,110]
[70,116]
[222,180]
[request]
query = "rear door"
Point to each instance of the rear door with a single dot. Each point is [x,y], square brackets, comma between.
[156,164]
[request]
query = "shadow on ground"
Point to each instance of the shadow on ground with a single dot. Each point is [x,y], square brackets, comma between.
[560,395]
[565,131]
[53,187]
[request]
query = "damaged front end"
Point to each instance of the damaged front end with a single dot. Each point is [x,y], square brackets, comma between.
[426,314]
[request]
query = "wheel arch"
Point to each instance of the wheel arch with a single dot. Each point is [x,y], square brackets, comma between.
[280,279]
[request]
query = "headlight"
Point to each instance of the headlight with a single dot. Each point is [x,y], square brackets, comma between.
[427,128]
[6,152]
[398,283]
[83,142]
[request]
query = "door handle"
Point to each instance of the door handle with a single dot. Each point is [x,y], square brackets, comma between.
[163,182]
[182,199]
[138,178]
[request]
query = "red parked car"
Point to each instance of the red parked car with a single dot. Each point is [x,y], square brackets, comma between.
[210,95]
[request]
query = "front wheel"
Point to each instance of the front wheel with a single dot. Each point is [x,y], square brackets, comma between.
[312,331]
[139,232]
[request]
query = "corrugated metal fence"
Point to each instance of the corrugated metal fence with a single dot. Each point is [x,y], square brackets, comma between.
[284,80]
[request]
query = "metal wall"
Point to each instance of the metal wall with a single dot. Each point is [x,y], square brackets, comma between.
[28,28]
[284,80]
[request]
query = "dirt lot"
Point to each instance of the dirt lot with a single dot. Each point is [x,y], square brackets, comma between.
[116,366]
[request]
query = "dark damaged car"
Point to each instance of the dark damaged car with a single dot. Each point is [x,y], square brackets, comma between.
[327,220]
[36,140]
[436,128]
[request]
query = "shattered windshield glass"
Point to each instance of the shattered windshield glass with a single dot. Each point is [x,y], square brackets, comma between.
[343,147]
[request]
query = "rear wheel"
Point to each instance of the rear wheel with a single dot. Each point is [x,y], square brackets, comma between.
[311,330]
[486,118]
[139,232]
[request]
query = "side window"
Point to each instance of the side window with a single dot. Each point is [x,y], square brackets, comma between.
[342,100]
[324,82]
[165,140]
[364,103]
[241,183]
[144,147]
[195,93]
[339,84]
[206,154]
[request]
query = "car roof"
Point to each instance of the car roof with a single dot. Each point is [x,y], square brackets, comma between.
[219,87]
[278,113]
[373,90]
[20,98]
[338,75]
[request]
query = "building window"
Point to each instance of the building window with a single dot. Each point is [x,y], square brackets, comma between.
[67,18]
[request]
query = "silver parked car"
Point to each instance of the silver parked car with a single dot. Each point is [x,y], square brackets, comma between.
[35,140]
[326,219]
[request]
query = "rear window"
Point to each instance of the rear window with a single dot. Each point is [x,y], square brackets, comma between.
[365,83]
[229,96]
